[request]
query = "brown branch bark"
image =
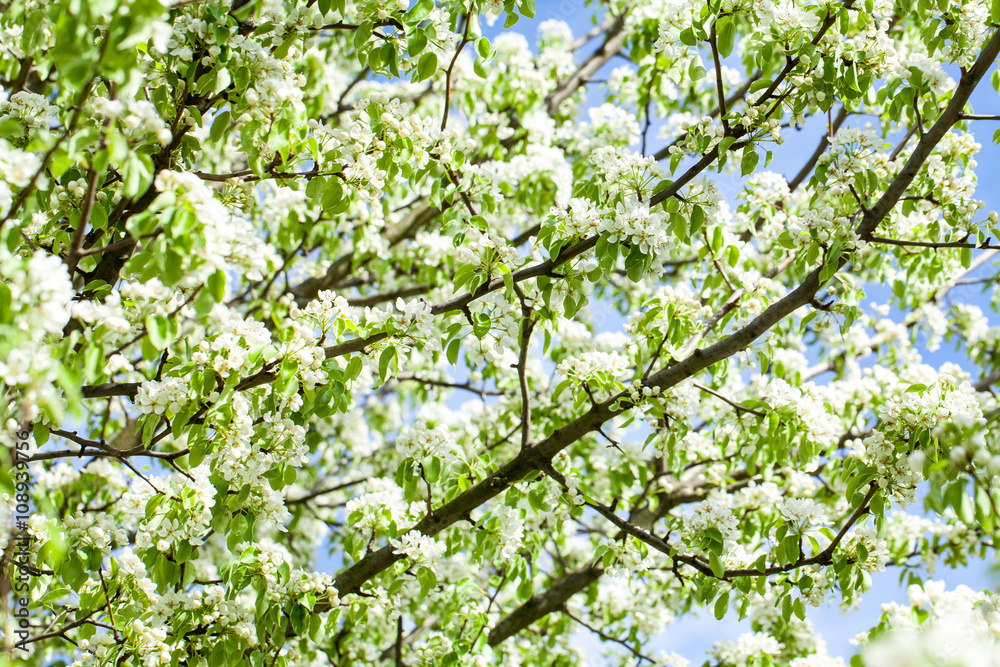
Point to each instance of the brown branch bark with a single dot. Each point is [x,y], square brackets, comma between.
[613,42]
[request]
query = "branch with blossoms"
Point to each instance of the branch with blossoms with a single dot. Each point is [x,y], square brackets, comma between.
[372,310]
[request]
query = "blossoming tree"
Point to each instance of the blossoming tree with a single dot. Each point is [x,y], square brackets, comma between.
[345,335]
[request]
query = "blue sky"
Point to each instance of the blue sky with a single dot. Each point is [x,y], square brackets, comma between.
[694,634]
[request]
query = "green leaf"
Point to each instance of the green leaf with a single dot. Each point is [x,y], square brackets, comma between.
[416,43]
[220,125]
[524,589]
[716,564]
[483,47]
[5,303]
[159,330]
[722,606]
[799,609]
[726,30]
[217,285]
[453,349]
[299,615]
[419,11]
[479,68]
[362,35]
[432,469]
[426,67]
[696,71]
[388,355]
[222,80]
[750,160]
[697,218]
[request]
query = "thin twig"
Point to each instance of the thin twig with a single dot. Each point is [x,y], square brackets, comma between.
[742,408]
[447,81]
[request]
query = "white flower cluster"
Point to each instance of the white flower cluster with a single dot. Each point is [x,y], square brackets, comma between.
[265,558]
[786,19]
[188,519]
[324,310]
[826,222]
[930,71]
[765,189]
[301,582]
[396,114]
[275,85]
[142,119]
[420,442]
[679,402]
[132,567]
[408,317]
[283,205]
[628,559]
[28,108]
[709,514]
[380,506]
[673,17]
[16,170]
[944,401]
[11,37]
[635,224]
[305,347]
[40,290]
[360,148]
[949,172]
[554,33]
[106,109]
[95,529]
[32,372]
[626,170]
[229,241]
[419,548]
[853,150]
[515,70]
[878,552]
[576,496]
[819,424]
[609,125]
[213,606]
[40,297]
[229,351]
[580,218]
[166,396]
[588,365]
[960,628]
[149,642]
[804,513]
[249,453]
[70,196]
[486,250]
[510,533]
[671,308]
[972,21]
[746,649]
